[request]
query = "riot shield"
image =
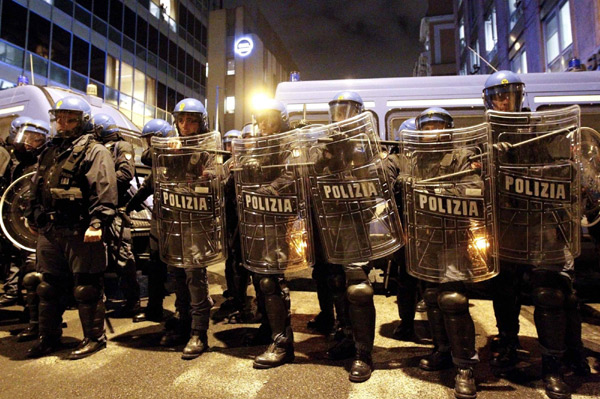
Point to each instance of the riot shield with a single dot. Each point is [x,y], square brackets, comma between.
[354,206]
[12,220]
[537,157]
[188,199]
[270,182]
[590,177]
[449,204]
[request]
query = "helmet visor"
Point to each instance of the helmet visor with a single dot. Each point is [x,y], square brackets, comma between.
[505,98]
[341,110]
[188,123]
[29,139]
[268,121]
[65,123]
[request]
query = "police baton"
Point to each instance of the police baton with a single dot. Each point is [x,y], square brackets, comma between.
[519,144]
[462,173]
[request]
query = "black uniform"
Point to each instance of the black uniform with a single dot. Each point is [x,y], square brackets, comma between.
[18,163]
[120,246]
[157,271]
[557,318]
[74,189]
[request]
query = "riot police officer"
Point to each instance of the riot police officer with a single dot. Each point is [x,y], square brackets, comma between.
[28,143]
[192,302]
[28,138]
[349,284]
[451,325]
[74,196]
[118,236]
[235,308]
[157,270]
[272,293]
[556,315]
[406,285]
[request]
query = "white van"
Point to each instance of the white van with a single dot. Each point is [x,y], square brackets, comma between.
[394,100]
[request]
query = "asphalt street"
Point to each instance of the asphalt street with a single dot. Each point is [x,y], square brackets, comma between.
[134,366]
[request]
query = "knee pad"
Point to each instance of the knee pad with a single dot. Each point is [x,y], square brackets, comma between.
[547,297]
[430,295]
[32,280]
[86,293]
[269,285]
[47,291]
[360,294]
[454,302]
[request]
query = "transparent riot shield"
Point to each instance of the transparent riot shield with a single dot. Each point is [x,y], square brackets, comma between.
[188,199]
[270,182]
[590,177]
[12,220]
[354,205]
[449,204]
[537,158]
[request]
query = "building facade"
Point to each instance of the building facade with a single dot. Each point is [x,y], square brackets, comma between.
[143,55]
[246,61]
[437,34]
[526,35]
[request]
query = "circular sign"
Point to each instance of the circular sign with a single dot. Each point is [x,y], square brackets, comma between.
[243,46]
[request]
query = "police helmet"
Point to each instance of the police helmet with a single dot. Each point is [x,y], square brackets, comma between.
[504,91]
[434,118]
[195,108]
[344,105]
[408,124]
[158,127]
[15,126]
[230,135]
[32,135]
[105,126]
[272,117]
[247,130]
[73,105]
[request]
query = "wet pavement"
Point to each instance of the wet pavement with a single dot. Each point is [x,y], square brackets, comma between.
[135,366]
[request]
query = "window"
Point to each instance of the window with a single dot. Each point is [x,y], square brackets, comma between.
[39,33]
[231,67]
[116,14]
[558,37]
[514,12]
[491,33]
[61,46]
[13,22]
[475,62]
[229,105]
[519,62]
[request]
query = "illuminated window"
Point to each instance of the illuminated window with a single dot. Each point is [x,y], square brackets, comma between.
[491,32]
[231,67]
[126,74]
[558,37]
[139,86]
[230,105]
[519,62]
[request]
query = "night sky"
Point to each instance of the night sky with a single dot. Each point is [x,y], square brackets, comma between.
[338,39]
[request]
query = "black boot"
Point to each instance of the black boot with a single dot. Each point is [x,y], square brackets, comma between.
[152,313]
[344,348]
[279,352]
[197,344]
[576,360]
[556,387]
[322,323]
[505,355]
[437,360]
[262,336]
[45,346]
[30,333]
[361,367]
[464,384]
[92,321]
[405,331]
[177,332]
[7,300]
